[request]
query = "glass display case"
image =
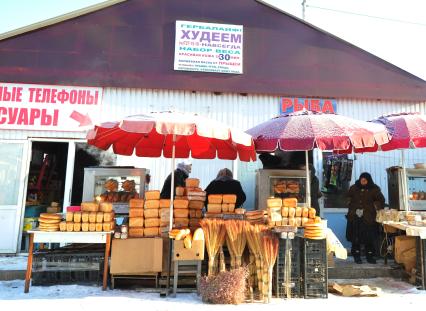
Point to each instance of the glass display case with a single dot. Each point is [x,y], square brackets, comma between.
[281,184]
[114,184]
[416,188]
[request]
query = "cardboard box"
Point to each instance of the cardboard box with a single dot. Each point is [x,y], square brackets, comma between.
[196,252]
[136,256]
[403,243]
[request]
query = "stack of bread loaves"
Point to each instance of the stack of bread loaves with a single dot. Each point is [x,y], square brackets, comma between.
[152,214]
[282,212]
[136,218]
[197,198]
[49,222]
[92,217]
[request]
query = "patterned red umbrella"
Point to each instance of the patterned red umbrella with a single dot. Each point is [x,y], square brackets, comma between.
[306,130]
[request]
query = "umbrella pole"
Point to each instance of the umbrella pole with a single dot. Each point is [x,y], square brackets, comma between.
[172,194]
[404,182]
[308,180]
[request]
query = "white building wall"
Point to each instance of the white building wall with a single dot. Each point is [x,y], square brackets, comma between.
[239,111]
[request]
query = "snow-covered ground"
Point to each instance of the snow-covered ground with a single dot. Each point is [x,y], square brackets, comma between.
[77,297]
[13,262]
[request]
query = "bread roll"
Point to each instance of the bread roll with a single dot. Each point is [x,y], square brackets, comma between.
[180,203]
[312,212]
[69,217]
[240,211]
[63,226]
[152,222]
[136,222]
[151,232]
[291,212]
[214,208]
[181,222]
[136,212]
[89,207]
[92,217]
[192,182]
[274,202]
[151,213]
[164,203]
[215,198]
[152,195]
[106,207]
[77,227]
[305,212]
[284,211]
[85,217]
[290,202]
[196,205]
[181,213]
[180,191]
[298,211]
[85,227]
[136,232]
[136,203]
[92,226]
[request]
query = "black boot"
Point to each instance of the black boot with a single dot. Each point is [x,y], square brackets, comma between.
[357,259]
[370,258]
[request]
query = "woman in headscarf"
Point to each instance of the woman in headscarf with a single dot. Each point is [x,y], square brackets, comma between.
[181,174]
[364,199]
[226,184]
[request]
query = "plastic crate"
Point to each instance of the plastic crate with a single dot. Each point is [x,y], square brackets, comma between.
[295,277]
[67,266]
[315,269]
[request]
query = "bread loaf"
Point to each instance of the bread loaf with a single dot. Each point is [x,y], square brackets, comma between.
[180,191]
[108,226]
[136,222]
[77,217]
[70,226]
[106,207]
[291,212]
[292,221]
[181,222]
[312,212]
[192,182]
[193,197]
[284,211]
[305,212]
[136,212]
[181,213]
[89,207]
[180,203]
[99,226]
[85,217]
[151,213]
[152,222]
[164,203]
[152,195]
[63,226]
[274,214]
[165,214]
[151,232]
[298,221]
[92,216]
[136,232]
[152,204]
[229,198]
[138,203]
[298,211]
[284,221]
[290,202]
[92,226]
[215,198]
[196,205]
[231,207]
[108,217]
[69,217]
[214,208]
[274,202]
[77,227]
[225,208]
[85,227]
[305,220]
[99,217]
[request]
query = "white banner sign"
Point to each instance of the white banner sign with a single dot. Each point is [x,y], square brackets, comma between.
[209,47]
[48,107]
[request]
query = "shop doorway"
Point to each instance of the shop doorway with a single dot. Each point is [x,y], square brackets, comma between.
[45,185]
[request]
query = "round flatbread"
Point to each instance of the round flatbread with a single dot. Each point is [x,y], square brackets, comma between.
[43,220]
[50,216]
[49,229]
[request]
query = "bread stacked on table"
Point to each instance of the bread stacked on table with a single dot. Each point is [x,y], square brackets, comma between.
[152,214]
[221,203]
[283,212]
[164,215]
[91,217]
[197,198]
[136,218]
[49,222]
[255,217]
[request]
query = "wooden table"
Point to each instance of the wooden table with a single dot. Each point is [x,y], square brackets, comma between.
[37,236]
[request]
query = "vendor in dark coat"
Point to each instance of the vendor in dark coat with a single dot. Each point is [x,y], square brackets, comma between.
[226,184]
[364,199]
[181,174]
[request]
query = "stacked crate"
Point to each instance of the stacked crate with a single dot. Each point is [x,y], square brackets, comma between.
[92,217]
[152,219]
[314,265]
[197,198]
[136,218]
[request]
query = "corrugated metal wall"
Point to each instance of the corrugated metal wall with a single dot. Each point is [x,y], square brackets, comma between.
[239,111]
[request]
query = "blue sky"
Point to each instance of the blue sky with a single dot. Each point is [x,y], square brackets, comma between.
[395,30]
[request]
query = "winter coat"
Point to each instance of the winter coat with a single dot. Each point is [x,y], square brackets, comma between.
[369,199]
[180,177]
[227,185]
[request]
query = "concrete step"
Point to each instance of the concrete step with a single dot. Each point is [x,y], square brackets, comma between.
[348,269]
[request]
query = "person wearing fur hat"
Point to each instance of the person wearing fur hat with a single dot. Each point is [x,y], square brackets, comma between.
[181,174]
[364,199]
